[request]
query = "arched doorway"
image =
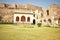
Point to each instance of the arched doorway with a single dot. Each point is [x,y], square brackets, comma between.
[44,20]
[49,20]
[59,20]
[28,19]
[33,21]
[17,18]
[23,19]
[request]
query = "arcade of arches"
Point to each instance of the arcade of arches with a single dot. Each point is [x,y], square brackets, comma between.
[23,19]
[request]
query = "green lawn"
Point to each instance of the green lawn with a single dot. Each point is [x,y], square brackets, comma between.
[14,32]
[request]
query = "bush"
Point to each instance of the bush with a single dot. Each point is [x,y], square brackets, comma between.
[39,24]
[47,26]
[5,22]
[1,22]
[27,26]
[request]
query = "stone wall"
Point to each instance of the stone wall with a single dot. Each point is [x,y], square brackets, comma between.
[49,15]
[7,11]
[7,15]
[54,14]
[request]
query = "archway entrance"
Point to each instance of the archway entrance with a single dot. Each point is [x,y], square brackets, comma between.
[49,20]
[28,19]
[17,18]
[23,18]
[33,21]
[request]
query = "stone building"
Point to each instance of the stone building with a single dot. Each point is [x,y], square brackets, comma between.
[30,14]
[52,15]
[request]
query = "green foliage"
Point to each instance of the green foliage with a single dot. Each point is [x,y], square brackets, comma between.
[27,26]
[39,24]
[55,26]
[47,26]
[5,22]
[1,22]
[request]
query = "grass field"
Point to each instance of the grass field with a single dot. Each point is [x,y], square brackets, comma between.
[13,32]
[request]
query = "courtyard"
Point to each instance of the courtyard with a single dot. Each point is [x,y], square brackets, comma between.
[16,32]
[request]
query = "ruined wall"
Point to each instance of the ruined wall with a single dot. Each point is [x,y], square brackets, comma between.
[50,15]
[7,11]
[54,14]
[7,15]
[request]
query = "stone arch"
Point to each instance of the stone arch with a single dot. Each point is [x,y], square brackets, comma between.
[28,19]
[47,12]
[34,21]
[49,20]
[44,20]
[17,18]
[59,20]
[23,18]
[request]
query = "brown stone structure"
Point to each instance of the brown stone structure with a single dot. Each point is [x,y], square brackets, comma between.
[50,15]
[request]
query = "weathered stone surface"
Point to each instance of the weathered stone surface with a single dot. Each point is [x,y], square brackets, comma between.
[7,12]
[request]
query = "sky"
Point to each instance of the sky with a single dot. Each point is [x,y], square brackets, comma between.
[40,3]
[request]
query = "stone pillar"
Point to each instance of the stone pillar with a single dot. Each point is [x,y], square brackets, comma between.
[26,19]
[19,19]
